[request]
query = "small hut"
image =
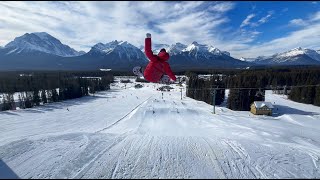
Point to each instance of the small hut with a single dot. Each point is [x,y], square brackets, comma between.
[261,108]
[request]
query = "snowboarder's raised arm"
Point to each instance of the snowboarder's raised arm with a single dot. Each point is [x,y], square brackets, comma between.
[147,48]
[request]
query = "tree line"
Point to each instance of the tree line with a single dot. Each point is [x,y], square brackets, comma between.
[282,80]
[307,95]
[35,88]
[200,89]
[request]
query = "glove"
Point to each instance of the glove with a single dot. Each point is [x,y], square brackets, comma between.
[172,81]
[148,35]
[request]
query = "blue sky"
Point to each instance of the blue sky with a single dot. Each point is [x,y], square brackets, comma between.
[244,28]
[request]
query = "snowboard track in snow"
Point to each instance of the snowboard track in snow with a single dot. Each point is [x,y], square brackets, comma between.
[123,116]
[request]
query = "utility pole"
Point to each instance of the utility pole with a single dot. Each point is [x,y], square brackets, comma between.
[285,90]
[214,100]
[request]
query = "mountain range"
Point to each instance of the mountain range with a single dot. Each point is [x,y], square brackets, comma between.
[296,56]
[41,51]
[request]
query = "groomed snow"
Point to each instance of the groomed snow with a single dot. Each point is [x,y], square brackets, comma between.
[134,133]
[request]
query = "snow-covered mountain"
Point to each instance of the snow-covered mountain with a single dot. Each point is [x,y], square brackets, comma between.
[82,52]
[194,55]
[40,42]
[116,55]
[176,48]
[254,59]
[156,47]
[300,51]
[195,49]
[296,56]
[122,49]
[247,59]
[42,51]
[197,55]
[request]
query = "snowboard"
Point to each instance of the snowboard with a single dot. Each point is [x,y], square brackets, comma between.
[139,73]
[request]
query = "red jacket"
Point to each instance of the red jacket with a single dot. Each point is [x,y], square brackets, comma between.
[157,65]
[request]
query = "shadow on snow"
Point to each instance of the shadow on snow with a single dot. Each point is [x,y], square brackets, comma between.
[281,110]
[6,172]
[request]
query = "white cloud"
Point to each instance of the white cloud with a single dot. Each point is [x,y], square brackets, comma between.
[263,20]
[307,38]
[244,45]
[222,7]
[298,22]
[305,22]
[315,17]
[247,20]
[81,23]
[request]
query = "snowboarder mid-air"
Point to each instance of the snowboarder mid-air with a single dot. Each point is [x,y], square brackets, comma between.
[158,68]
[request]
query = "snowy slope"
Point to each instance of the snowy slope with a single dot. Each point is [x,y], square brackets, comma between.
[40,42]
[135,133]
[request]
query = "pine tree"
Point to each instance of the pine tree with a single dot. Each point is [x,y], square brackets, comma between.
[317,96]
[28,102]
[54,96]
[303,95]
[232,102]
[21,102]
[36,97]
[61,94]
[44,96]
[49,98]
[295,94]
[86,90]
[67,93]
[5,105]
[92,90]
[8,102]
[310,96]
[11,101]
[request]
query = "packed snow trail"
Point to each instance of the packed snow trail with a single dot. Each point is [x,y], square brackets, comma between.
[135,133]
